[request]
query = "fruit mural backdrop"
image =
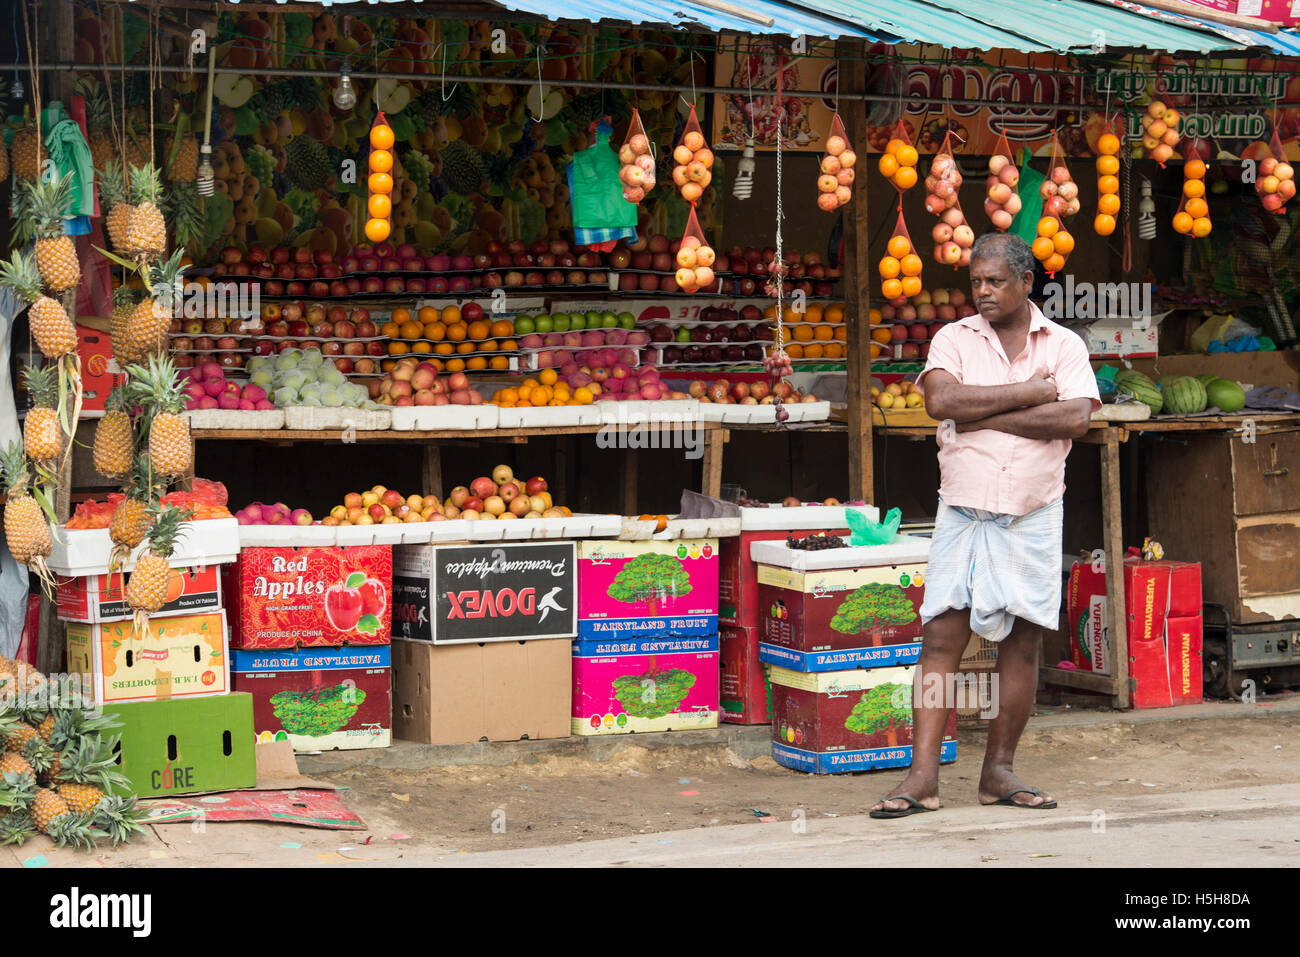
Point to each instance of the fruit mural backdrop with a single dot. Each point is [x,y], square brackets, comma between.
[472,163]
[317,711]
[872,607]
[653,693]
[650,578]
[877,712]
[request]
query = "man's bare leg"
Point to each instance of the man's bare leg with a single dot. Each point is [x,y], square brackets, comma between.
[1017,684]
[944,640]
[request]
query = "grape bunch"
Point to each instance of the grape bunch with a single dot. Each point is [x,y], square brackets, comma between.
[744,501]
[815,542]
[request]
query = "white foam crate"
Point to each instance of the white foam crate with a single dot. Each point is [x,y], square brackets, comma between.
[321,418]
[287,536]
[693,528]
[549,417]
[379,534]
[425,533]
[779,517]
[762,414]
[85,551]
[428,418]
[634,411]
[576,526]
[235,419]
[904,550]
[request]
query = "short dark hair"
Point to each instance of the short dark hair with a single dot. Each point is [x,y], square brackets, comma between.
[1011,249]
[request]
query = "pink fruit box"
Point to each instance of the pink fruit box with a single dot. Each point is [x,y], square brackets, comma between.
[627,685]
[645,588]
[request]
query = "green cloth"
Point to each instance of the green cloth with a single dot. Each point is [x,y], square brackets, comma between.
[1025,225]
[71,154]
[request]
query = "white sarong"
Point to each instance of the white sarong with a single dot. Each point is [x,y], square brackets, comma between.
[1001,567]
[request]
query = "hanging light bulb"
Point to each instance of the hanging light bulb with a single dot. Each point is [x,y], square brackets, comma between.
[205,180]
[1146,213]
[345,97]
[17,90]
[743,183]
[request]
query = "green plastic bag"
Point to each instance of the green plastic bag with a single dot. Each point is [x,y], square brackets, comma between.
[1025,225]
[866,532]
[596,192]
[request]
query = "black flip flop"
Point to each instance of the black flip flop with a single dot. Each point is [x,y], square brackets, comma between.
[913,807]
[1005,800]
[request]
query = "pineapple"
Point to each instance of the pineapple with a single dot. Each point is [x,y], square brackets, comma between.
[4,162]
[42,434]
[119,817]
[16,827]
[15,764]
[146,233]
[114,438]
[113,199]
[73,724]
[87,773]
[56,254]
[27,153]
[146,327]
[51,328]
[16,791]
[146,591]
[16,740]
[130,521]
[124,303]
[26,528]
[171,451]
[184,167]
[42,758]
[53,817]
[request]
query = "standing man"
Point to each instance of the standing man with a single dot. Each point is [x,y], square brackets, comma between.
[1011,388]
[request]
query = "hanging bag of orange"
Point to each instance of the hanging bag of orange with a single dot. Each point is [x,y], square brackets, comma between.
[693,161]
[1193,216]
[694,258]
[636,155]
[1275,178]
[953,237]
[1002,202]
[835,181]
[1108,146]
[898,162]
[379,204]
[900,269]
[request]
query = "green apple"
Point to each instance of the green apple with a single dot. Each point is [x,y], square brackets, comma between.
[608,320]
[525,325]
[627,320]
[593,320]
[545,323]
[683,334]
[578,322]
[561,321]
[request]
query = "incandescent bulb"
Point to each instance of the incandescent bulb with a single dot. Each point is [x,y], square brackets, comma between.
[345,97]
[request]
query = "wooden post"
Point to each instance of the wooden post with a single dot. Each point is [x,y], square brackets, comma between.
[855,272]
[630,457]
[711,473]
[431,473]
[1113,545]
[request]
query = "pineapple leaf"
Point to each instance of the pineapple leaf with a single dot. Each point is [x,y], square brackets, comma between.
[118,259]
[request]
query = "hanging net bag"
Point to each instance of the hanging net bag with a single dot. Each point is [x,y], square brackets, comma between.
[692,161]
[637,159]
[835,181]
[1002,196]
[900,268]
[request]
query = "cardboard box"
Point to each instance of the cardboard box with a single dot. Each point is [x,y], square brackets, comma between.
[647,588]
[180,657]
[645,684]
[841,618]
[495,691]
[738,574]
[473,593]
[1180,663]
[1153,591]
[96,598]
[188,745]
[99,370]
[837,721]
[746,691]
[1282,12]
[319,699]
[310,597]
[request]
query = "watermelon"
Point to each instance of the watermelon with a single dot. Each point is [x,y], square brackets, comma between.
[1226,395]
[1205,378]
[1144,392]
[1126,376]
[1184,396]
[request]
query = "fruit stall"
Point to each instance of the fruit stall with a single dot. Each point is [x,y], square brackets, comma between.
[363,356]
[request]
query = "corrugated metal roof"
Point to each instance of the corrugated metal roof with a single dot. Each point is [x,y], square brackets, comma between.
[1286,42]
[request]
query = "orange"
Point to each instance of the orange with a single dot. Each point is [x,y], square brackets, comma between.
[899,246]
[812,351]
[388,365]
[834,351]
[1108,143]
[1104,224]
[488,346]
[883,336]
[1042,248]
[1108,203]
[1193,188]
[435,331]
[397,348]
[499,363]
[525,391]
[583,395]
[891,288]
[507,395]
[412,329]
[437,364]
[841,333]
[390,329]
[465,348]
[1055,263]
[456,332]
[444,349]
[835,313]
[905,178]
[912,286]
[509,345]
[377,230]
[1196,208]
[530,382]
[1195,169]
[907,155]
[874,317]
[479,329]
[1107,166]
[380,183]
[381,136]
[814,312]
[548,376]
[1048,225]
[427,314]
[1063,242]
[769,312]
[912,265]
[455,365]
[888,165]
[875,350]
[1183,223]
[794,350]
[381,161]
[1200,227]
[422,347]
[823,333]
[801,333]
[450,314]
[478,362]
[379,206]
[540,396]
[502,328]
[400,315]
[1108,184]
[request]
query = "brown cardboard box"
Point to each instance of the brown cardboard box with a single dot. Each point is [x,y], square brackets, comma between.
[501,691]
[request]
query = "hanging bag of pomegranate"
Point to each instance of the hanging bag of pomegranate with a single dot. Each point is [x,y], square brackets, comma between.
[637,159]
[835,181]
[692,161]
[1002,199]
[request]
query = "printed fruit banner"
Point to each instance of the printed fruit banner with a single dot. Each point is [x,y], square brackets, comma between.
[755,66]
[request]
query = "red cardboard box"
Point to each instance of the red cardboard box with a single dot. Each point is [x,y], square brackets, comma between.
[836,721]
[746,688]
[738,573]
[98,368]
[311,597]
[1184,640]
[96,598]
[1283,12]
[319,699]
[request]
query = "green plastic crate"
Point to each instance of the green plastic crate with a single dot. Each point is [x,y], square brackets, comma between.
[187,745]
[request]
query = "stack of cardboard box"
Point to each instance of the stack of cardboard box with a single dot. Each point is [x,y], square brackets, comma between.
[646,655]
[311,631]
[841,630]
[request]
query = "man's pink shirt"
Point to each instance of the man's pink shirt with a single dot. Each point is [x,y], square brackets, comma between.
[994,471]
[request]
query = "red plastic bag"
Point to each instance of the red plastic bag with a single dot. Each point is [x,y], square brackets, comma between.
[1275,178]
[1160,133]
[637,157]
[204,493]
[1059,190]
[900,268]
[1193,215]
[379,199]
[693,161]
[695,258]
[835,181]
[92,514]
[1108,204]
[898,162]
[1002,200]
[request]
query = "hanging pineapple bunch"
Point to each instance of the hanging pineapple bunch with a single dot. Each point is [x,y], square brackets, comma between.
[146,590]
[114,438]
[144,331]
[146,233]
[27,529]
[158,389]
[130,520]
[42,206]
[42,435]
[117,209]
